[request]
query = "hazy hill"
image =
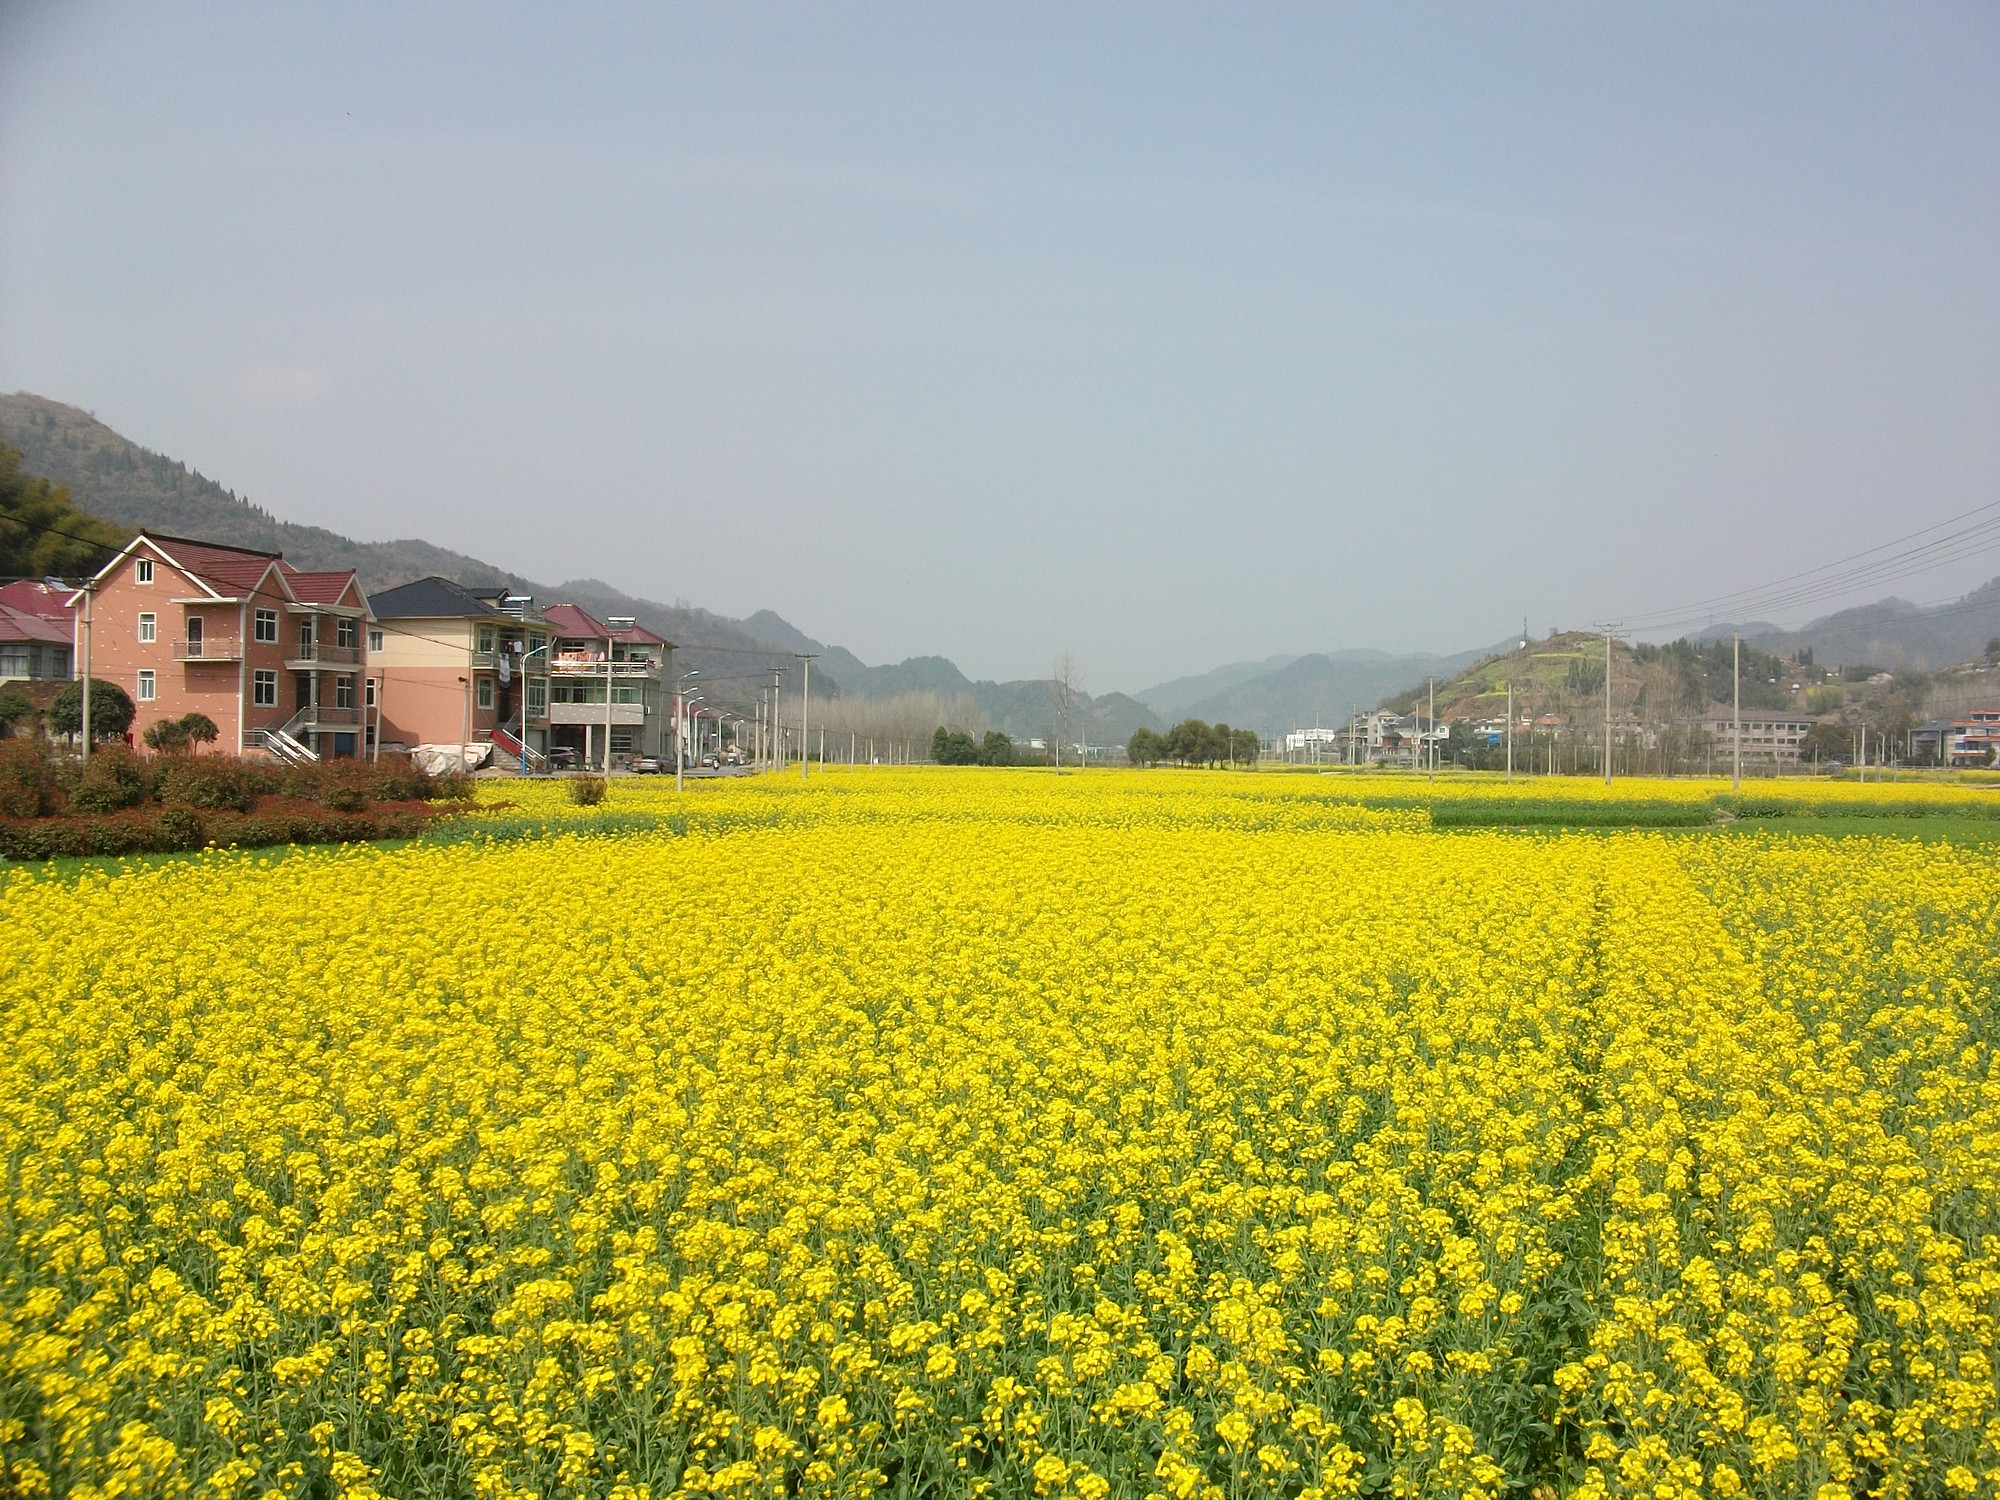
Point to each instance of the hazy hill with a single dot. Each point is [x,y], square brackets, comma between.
[1169,698]
[114,478]
[1322,688]
[1896,633]
[1024,708]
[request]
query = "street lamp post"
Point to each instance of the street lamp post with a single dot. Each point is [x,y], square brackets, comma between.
[680,714]
[805,714]
[519,649]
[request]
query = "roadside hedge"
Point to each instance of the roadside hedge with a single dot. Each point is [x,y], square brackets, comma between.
[172,829]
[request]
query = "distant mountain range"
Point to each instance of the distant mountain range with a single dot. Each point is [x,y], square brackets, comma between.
[114,478]
[1894,633]
[1289,692]
[110,476]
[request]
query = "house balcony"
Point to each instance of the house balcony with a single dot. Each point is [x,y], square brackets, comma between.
[209,648]
[625,714]
[322,716]
[586,667]
[307,656]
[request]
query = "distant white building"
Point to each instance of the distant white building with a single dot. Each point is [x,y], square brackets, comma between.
[1304,741]
[1767,739]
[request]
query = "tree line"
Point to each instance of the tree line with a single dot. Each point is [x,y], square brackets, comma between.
[42,533]
[954,747]
[1194,743]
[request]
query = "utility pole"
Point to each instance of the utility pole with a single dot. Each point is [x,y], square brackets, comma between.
[1510,727]
[1430,735]
[805,714]
[777,734]
[1608,629]
[86,673]
[1736,731]
[680,724]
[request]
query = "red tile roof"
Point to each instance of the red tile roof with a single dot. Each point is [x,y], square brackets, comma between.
[316,588]
[31,597]
[567,619]
[227,570]
[20,625]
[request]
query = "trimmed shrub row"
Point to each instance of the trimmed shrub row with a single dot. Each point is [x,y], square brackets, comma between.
[179,828]
[35,782]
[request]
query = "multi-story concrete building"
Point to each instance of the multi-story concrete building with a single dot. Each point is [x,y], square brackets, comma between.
[275,656]
[1770,740]
[608,690]
[461,667]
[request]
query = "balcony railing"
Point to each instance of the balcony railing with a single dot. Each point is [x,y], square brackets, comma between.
[209,648]
[627,714]
[584,666]
[319,653]
[323,716]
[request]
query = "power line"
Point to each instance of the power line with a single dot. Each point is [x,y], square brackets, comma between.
[1857,570]
[88,541]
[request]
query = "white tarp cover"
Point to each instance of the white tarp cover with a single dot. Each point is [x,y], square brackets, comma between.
[435,760]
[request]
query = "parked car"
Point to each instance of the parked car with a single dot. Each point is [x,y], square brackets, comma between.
[711,759]
[648,765]
[562,758]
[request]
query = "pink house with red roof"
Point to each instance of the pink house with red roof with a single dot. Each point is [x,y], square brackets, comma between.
[276,656]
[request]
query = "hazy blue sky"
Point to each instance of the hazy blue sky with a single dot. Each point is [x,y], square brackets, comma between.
[1173,335]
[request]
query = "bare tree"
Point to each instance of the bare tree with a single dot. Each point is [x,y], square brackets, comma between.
[906,719]
[1066,686]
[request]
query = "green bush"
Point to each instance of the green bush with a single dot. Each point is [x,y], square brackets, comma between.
[28,784]
[399,781]
[586,791]
[180,828]
[15,709]
[302,782]
[456,786]
[343,796]
[114,777]
[210,781]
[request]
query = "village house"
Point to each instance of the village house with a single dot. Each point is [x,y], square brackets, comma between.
[36,632]
[608,693]
[460,666]
[272,654]
[1973,740]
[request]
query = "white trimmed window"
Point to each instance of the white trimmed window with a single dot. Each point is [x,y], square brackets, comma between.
[486,692]
[374,640]
[142,570]
[264,688]
[267,627]
[371,693]
[346,633]
[486,640]
[147,687]
[343,692]
[149,627]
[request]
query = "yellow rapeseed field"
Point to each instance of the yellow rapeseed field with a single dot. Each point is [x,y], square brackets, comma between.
[997,1133]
